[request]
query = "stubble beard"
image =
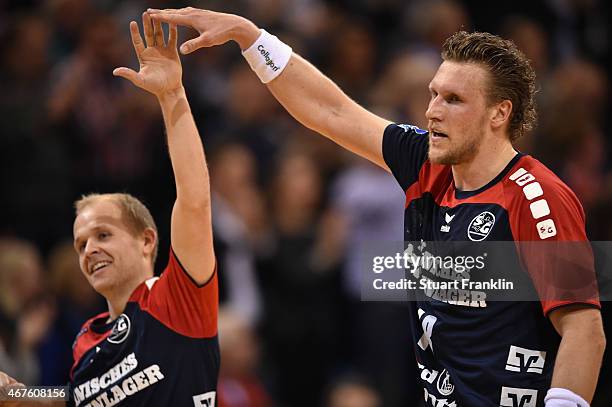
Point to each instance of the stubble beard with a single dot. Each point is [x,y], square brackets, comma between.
[462,153]
[456,155]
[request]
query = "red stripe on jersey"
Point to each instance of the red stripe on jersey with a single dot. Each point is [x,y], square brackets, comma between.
[179,303]
[87,339]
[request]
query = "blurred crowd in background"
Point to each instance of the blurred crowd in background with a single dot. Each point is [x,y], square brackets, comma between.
[291,210]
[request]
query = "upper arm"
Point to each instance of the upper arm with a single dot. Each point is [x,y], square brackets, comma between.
[578,318]
[192,239]
[404,150]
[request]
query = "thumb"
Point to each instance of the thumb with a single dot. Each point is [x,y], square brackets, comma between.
[193,45]
[128,74]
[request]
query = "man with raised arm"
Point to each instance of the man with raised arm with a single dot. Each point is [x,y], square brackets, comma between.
[157,344]
[463,181]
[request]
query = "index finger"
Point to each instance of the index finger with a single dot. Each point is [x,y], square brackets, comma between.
[173,18]
[136,39]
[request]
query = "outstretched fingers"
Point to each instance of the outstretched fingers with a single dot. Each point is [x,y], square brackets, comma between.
[158,32]
[172,36]
[173,18]
[148,29]
[136,40]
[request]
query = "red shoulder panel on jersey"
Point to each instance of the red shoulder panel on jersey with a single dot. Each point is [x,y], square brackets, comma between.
[87,339]
[548,224]
[176,300]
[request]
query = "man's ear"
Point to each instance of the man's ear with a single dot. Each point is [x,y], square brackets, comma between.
[500,114]
[150,242]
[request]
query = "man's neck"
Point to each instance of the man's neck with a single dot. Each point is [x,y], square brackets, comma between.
[490,160]
[117,300]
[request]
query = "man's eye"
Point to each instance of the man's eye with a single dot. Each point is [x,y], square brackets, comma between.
[103,235]
[454,98]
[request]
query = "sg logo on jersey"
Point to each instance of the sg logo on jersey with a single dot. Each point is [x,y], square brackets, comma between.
[481,226]
[121,329]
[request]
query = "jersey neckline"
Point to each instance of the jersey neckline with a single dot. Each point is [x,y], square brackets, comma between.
[459,194]
[99,324]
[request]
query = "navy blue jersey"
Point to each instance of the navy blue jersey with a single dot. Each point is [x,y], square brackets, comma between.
[474,353]
[161,351]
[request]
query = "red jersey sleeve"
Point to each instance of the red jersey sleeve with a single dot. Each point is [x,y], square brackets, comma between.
[178,302]
[548,225]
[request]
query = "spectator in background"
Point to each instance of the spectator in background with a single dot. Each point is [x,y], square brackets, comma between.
[576,146]
[370,204]
[76,301]
[353,391]
[398,95]
[298,274]
[25,313]
[352,58]
[32,158]
[238,222]
[41,175]
[112,127]
[531,39]
[239,381]
[432,22]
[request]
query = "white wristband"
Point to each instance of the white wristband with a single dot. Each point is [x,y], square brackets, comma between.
[557,397]
[268,56]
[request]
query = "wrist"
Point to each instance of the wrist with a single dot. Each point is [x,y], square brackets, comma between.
[245,33]
[267,56]
[172,95]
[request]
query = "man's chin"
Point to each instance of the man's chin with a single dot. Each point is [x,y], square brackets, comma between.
[102,286]
[441,158]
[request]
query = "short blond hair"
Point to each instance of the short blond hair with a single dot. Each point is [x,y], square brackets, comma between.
[135,214]
[512,77]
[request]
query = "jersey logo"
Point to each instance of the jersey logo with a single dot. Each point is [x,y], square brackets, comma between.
[525,360]
[514,397]
[546,229]
[444,385]
[204,399]
[481,226]
[428,323]
[408,127]
[448,219]
[121,329]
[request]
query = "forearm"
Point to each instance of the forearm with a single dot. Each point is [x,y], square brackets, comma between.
[319,104]
[185,149]
[578,363]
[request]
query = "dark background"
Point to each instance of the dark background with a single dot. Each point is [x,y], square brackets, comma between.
[291,208]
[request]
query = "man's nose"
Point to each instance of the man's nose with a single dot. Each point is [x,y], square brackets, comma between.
[90,248]
[434,111]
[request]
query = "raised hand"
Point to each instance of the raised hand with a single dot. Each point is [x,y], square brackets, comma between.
[214,28]
[160,67]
